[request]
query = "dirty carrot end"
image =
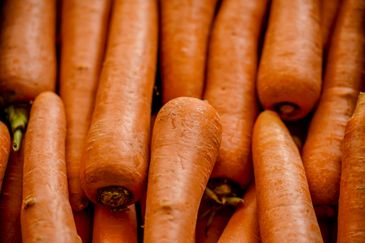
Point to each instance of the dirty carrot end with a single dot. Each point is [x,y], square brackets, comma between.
[17,116]
[115,197]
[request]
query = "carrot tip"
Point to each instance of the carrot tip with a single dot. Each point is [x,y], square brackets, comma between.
[115,197]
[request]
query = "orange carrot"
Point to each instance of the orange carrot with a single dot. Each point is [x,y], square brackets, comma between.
[185,27]
[84,25]
[4,150]
[114,226]
[343,79]
[243,225]
[46,214]
[185,143]
[114,166]
[289,77]
[11,199]
[27,49]
[231,76]
[351,210]
[284,204]
[329,9]
[84,223]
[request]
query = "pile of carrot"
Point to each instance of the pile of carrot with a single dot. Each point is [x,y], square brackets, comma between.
[182,121]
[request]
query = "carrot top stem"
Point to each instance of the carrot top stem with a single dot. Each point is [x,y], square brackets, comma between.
[115,197]
[18,118]
[223,192]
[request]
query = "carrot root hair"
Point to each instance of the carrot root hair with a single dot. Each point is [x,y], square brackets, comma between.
[17,116]
[115,197]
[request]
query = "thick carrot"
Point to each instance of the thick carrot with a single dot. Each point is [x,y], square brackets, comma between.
[27,49]
[243,225]
[185,28]
[284,204]
[46,214]
[231,82]
[185,143]
[11,199]
[84,26]
[343,79]
[114,166]
[84,223]
[115,226]
[4,150]
[351,210]
[289,77]
[329,9]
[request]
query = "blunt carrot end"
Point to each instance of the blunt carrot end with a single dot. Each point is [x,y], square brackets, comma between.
[115,197]
[287,110]
[18,119]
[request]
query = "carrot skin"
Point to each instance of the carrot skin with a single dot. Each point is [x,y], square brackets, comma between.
[185,29]
[185,143]
[27,49]
[351,212]
[284,204]
[46,214]
[84,26]
[329,9]
[11,199]
[4,150]
[115,226]
[343,79]
[243,226]
[230,86]
[290,71]
[116,150]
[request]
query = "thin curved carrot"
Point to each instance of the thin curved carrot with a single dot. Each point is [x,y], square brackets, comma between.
[285,208]
[343,80]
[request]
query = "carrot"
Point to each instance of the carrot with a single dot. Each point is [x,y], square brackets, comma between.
[185,143]
[329,9]
[84,223]
[209,227]
[185,28]
[84,25]
[114,166]
[231,84]
[285,209]
[27,49]
[4,150]
[351,210]
[243,225]
[46,214]
[343,79]
[115,226]
[289,77]
[11,199]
